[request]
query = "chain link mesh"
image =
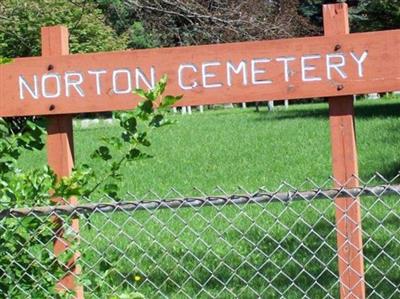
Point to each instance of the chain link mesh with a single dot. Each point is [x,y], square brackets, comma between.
[252,245]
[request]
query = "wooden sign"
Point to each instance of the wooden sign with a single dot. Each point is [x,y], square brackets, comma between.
[336,65]
[226,73]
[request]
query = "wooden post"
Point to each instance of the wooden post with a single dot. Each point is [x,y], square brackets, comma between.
[60,151]
[345,172]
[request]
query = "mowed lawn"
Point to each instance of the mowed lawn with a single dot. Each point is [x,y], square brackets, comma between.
[239,147]
[269,250]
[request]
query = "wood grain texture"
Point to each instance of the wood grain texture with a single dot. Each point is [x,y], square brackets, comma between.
[381,72]
[60,155]
[345,172]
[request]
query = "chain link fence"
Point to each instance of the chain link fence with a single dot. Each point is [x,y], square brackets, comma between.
[262,244]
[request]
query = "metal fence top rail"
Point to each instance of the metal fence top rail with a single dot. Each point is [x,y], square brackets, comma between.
[236,199]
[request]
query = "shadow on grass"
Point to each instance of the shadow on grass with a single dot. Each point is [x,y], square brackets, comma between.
[387,110]
[294,258]
[390,173]
[363,111]
[254,262]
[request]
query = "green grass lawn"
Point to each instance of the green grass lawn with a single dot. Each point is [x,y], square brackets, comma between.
[239,147]
[231,148]
[269,250]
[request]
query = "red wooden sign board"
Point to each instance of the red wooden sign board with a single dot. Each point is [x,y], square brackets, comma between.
[336,65]
[213,74]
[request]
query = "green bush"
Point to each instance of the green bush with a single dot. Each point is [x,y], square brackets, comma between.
[21,21]
[27,262]
[139,38]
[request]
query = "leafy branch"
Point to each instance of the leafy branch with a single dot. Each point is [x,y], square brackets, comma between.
[137,125]
[22,253]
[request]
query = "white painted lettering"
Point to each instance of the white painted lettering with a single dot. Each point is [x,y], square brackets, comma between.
[97,74]
[360,61]
[286,69]
[140,76]
[182,85]
[206,74]
[45,84]
[23,84]
[340,62]
[70,81]
[255,71]
[307,67]
[116,74]
[241,67]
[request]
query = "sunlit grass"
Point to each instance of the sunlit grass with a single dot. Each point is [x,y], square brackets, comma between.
[239,147]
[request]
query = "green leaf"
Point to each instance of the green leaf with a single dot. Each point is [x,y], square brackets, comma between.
[146,107]
[4,60]
[169,100]
[129,124]
[113,141]
[111,190]
[142,139]
[157,120]
[132,154]
[140,92]
[160,87]
[103,152]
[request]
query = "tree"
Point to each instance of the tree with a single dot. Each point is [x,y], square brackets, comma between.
[365,15]
[371,15]
[191,22]
[21,20]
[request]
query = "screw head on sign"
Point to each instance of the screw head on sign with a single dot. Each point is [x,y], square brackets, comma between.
[52,107]
[340,87]
[50,67]
[338,47]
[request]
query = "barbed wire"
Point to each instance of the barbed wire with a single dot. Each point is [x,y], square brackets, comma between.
[236,199]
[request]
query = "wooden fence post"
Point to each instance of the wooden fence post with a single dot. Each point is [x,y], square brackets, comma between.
[60,151]
[345,171]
